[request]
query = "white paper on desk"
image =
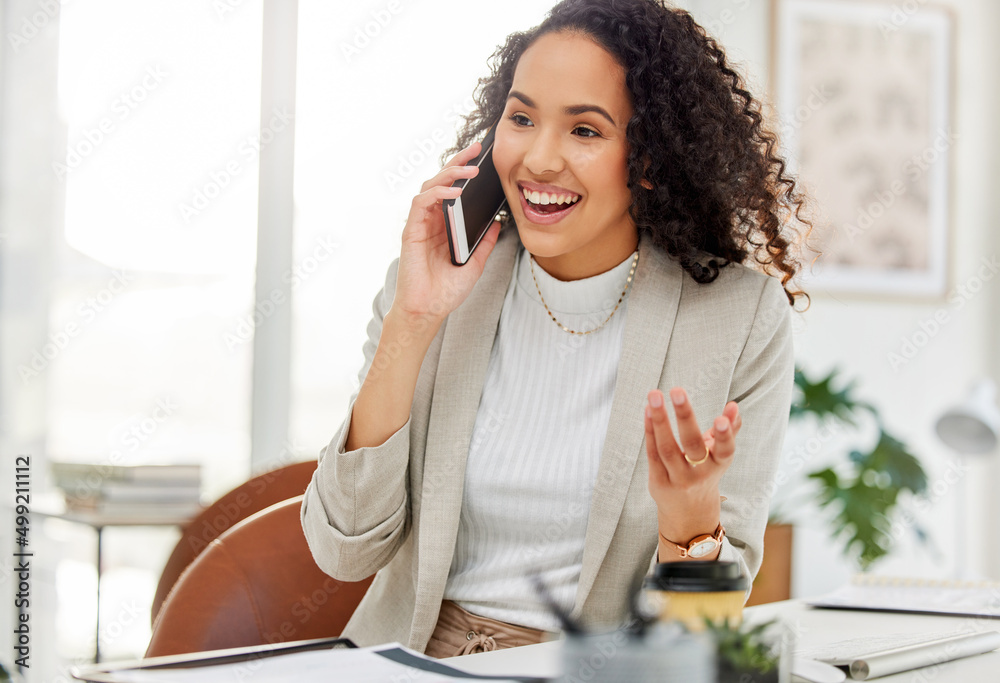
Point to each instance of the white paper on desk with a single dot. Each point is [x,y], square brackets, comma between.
[886,594]
[362,665]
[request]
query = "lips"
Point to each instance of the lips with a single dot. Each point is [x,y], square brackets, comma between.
[546,205]
[550,198]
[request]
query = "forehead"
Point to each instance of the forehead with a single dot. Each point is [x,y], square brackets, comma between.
[565,68]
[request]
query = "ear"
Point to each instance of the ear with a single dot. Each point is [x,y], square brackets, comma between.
[645,167]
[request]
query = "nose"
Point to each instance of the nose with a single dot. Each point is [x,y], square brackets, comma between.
[544,154]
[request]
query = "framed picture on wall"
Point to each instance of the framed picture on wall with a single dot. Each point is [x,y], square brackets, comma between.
[863,97]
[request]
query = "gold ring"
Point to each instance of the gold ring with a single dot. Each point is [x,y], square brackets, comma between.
[695,463]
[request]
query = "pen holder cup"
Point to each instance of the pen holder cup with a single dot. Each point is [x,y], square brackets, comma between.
[665,652]
[695,592]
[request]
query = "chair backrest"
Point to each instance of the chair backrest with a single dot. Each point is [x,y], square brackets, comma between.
[247,499]
[256,584]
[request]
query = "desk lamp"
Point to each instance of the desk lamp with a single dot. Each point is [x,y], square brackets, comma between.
[974,426]
[970,428]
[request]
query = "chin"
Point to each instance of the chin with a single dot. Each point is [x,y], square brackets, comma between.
[538,241]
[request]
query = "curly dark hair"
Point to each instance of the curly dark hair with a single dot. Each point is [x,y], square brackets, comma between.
[719,186]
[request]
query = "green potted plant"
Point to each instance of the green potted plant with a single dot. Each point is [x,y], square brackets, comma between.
[864,490]
[746,654]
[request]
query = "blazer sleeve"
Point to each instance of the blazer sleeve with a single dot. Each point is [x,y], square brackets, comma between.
[761,385]
[355,510]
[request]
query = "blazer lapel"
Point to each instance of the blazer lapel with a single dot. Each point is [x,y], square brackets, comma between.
[652,308]
[461,373]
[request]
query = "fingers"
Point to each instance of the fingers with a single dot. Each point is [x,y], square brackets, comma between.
[466,155]
[427,205]
[723,439]
[456,168]
[663,447]
[659,435]
[732,411]
[689,434]
[657,467]
[434,195]
[449,174]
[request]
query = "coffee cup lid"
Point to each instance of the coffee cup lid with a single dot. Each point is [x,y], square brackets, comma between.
[697,577]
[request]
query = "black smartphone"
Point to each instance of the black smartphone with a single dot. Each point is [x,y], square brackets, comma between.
[468,217]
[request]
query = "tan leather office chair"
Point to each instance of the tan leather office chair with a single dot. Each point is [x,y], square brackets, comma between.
[247,499]
[255,584]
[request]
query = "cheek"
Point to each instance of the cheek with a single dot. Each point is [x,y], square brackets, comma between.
[605,171]
[504,155]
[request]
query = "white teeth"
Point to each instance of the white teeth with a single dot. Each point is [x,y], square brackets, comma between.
[547,198]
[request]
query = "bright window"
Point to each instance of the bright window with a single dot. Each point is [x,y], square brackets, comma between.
[381,88]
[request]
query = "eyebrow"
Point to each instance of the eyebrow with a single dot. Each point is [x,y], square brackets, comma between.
[572,110]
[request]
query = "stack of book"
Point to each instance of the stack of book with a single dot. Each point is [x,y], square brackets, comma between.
[146,490]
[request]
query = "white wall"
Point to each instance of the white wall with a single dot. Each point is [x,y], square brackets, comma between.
[30,215]
[856,334]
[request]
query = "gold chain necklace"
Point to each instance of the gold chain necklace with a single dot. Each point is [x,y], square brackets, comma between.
[628,283]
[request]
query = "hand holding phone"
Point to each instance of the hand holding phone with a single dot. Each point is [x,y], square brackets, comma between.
[428,284]
[469,216]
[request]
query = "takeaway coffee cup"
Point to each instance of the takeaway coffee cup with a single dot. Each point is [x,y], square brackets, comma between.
[691,592]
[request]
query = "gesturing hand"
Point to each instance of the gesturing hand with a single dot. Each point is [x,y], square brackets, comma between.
[684,472]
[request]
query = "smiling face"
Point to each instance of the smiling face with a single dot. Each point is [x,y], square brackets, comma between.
[562,156]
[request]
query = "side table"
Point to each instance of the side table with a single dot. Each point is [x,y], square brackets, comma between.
[145,515]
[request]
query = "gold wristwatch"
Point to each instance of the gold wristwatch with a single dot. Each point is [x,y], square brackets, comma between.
[699,546]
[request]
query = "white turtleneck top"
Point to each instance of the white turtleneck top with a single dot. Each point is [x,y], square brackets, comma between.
[536,445]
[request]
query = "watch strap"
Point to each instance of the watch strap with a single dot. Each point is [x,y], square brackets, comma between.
[684,549]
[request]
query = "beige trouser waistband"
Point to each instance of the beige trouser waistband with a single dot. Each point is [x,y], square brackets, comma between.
[459,632]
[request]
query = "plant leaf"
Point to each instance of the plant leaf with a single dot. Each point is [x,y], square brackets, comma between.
[821,400]
[891,457]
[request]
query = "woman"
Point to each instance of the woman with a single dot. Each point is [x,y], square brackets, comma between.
[505,405]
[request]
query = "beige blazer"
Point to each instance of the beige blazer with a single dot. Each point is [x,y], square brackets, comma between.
[394,509]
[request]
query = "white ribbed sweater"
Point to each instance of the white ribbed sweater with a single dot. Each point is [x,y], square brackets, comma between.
[536,445]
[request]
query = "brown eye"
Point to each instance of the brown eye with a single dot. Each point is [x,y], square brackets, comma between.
[584,132]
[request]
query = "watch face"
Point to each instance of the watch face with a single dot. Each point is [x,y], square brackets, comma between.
[703,548]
